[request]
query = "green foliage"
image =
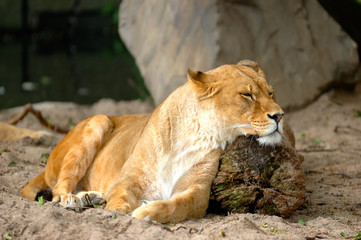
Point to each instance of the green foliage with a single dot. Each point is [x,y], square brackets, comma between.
[45,155]
[168,224]
[357,237]
[4,150]
[118,47]
[12,164]
[40,200]
[317,142]
[8,236]
[342,234]
[302,134]
[302,222]
[110,9]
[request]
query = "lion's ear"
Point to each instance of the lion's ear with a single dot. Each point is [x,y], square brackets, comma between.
[197,78]
[251,64]
[202,84]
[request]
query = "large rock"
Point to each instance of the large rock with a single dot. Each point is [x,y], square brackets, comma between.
[300,47]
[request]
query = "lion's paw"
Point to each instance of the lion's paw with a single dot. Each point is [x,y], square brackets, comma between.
[156,211]
[81,200]
[141,212]
[71,202]
[92,199]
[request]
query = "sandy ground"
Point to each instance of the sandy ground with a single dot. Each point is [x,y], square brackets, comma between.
[328,134]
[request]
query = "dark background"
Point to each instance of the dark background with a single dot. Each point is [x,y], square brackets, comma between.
[69,50]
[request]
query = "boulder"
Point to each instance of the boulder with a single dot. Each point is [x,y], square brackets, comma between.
[254,178]
[300,47]
[167,37]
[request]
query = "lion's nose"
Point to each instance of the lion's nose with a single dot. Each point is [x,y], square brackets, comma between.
[277,117]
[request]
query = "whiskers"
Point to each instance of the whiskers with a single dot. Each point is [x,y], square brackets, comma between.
[272,82]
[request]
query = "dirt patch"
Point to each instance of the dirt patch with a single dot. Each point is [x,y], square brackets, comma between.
[328,134]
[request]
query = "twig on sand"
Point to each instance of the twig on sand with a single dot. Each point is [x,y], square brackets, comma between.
[22,230]
[308,150]
[29,109]
[346,130]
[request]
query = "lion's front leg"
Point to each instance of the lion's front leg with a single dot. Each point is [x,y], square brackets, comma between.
[190,196]
[192,203]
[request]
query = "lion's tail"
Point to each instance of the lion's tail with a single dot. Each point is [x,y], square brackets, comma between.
[36,188]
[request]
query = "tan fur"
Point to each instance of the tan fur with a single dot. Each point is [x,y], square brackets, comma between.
[11,133]
[161,165]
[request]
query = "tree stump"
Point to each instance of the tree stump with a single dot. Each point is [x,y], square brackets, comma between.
[259,179]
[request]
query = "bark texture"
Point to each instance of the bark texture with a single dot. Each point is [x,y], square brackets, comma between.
[254,178]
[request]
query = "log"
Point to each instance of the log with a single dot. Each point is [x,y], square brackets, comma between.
[259,179]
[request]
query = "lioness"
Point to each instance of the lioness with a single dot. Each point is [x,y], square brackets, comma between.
[161,165]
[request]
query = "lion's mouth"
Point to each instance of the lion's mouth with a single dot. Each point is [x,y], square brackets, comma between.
[273,138]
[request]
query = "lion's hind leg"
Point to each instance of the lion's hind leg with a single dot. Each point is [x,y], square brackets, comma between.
[70,160]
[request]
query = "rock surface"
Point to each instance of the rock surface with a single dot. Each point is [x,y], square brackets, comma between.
[299,46]
[254,178]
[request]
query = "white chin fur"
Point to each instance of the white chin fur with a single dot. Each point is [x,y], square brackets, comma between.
[272,139]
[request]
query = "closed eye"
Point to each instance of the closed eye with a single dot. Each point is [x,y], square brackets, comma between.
[247,95]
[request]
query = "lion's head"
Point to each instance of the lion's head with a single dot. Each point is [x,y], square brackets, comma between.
[242,100]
